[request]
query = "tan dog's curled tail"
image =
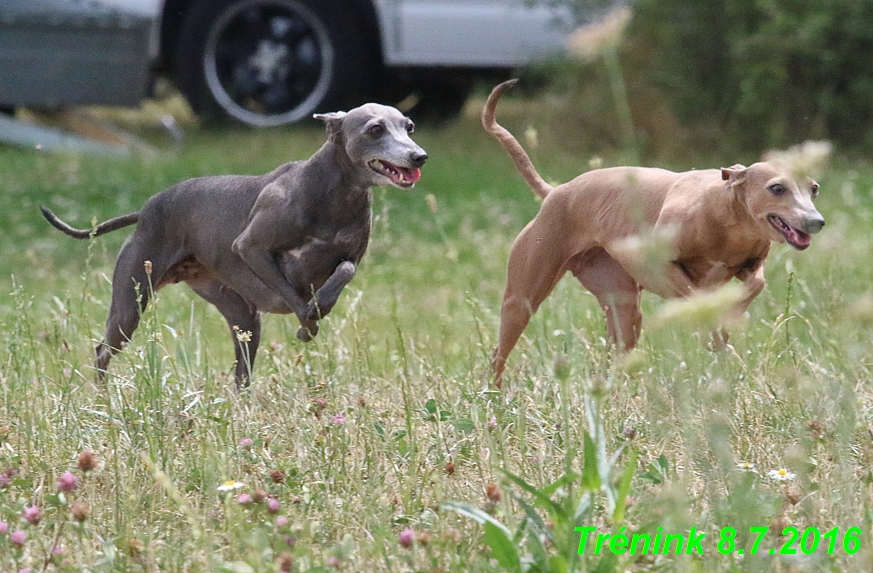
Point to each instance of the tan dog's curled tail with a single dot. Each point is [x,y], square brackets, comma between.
[101,229]
[510,144]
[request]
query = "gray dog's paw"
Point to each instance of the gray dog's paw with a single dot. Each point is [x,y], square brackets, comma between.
[307,332]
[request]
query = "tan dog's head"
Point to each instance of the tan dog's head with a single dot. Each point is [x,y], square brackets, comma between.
[779,203]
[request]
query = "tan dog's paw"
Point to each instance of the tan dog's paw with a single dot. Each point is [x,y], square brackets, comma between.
[718,340]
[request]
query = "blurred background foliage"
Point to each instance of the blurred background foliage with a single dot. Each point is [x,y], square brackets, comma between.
[727,75]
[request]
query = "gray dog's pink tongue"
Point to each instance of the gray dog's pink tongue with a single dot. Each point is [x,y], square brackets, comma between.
[410,175]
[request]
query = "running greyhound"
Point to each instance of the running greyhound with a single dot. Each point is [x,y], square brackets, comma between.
[720,223]
[288,241]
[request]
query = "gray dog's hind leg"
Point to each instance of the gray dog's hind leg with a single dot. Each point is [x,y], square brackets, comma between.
[325,299]
[243,320]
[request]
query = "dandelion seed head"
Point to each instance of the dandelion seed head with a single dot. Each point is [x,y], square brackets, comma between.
[804,160]
[596,162]
[531,137]
[591,41]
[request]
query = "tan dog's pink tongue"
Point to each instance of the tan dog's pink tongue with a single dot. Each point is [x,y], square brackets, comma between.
[798,239]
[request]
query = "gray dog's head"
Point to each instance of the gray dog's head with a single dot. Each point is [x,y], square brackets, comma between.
[377,140]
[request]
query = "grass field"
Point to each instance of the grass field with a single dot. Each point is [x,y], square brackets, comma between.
[371,439]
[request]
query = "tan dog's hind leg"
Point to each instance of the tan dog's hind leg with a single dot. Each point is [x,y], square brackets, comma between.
[535,266]
[616,291]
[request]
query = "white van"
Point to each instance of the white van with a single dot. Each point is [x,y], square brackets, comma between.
[267,62]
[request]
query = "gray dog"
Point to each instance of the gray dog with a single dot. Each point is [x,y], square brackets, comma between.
[287,241]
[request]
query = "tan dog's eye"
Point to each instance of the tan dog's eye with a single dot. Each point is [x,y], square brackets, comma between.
[376,130]
[814,189]
[777,189]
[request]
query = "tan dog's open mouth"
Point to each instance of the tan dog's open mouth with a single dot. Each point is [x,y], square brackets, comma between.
[400,176]
[797,239]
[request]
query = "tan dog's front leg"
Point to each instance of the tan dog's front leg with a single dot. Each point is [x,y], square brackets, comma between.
[753,282]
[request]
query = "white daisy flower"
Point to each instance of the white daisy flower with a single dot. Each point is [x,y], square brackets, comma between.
[781,474]
[231,485]
[747,467]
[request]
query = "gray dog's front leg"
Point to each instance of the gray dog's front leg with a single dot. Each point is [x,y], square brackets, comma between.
[250,247]
[325,299]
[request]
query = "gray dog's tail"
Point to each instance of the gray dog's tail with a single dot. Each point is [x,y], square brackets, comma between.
[510,144]
[101,229]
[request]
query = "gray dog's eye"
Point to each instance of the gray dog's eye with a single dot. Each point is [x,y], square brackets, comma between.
[777,189]
[410,128]
[376,130]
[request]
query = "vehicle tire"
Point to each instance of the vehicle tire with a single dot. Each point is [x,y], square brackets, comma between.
[439,102]
[272,62]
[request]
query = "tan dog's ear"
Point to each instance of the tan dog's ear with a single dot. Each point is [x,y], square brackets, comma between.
[333,122]
[734,174]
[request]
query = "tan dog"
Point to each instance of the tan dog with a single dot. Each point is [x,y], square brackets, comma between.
[716,225]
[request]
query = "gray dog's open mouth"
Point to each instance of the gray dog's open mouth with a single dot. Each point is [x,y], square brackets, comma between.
[401,176]
[797,239]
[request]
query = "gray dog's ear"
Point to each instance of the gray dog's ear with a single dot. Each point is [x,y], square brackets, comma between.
[333,121]
[734,174]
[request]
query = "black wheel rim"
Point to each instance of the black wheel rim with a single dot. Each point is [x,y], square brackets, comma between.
[268,62]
